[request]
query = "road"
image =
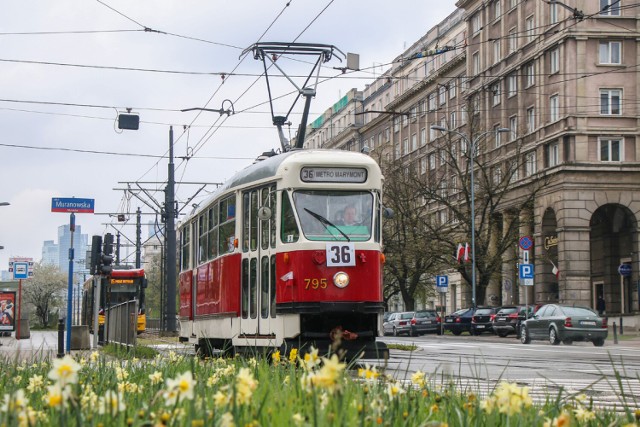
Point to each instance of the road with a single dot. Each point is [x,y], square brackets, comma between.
[481,362]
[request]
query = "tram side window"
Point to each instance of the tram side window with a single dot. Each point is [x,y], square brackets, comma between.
[254,220]
[245,222]
[272,220]
[213,232]
[289,228]
[227,225]
[185,246]
[203,229]
[266,224]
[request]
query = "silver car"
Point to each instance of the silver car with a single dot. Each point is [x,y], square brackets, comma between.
[398,323]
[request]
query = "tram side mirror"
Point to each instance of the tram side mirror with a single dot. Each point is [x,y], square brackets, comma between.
[388,213]
[264,213]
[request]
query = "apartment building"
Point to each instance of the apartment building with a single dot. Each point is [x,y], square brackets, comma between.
[563,79]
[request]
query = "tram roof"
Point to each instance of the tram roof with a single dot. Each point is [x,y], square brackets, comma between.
[269,167]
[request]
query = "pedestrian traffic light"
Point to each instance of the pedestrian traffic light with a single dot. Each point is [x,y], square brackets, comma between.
[96,250]
[106,259]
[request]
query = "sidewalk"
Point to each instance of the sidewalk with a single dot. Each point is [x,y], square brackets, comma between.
[40,345]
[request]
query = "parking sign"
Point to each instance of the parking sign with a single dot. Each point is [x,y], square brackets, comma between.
[442,283]
[526,271]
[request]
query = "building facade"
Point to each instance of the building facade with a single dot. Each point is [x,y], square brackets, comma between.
[564,81]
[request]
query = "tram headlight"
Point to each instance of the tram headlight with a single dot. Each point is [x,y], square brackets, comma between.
[341,279]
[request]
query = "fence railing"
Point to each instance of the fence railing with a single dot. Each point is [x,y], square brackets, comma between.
[121,323]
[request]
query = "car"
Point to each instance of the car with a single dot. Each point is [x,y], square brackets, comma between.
[424,321]
[459,321]
[398,323]
[482,320]
[564,323]
[509,318]
[386,315]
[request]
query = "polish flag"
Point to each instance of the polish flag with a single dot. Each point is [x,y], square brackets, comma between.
[460,253]
[555,270]
[467,257]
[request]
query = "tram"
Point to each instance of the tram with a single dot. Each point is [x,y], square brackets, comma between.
[118,287]
[269,261]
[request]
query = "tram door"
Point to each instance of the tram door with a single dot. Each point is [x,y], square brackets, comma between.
[258,296]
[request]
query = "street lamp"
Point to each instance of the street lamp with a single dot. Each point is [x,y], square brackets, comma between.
[4,203]
[473,146]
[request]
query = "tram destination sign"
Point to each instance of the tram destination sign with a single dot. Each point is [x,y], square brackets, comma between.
[321,174]
[59,204]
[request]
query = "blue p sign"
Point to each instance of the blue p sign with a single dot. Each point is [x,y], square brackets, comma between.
[526,271]
[442,281]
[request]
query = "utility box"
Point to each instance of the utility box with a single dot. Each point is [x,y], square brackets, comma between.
[80,338]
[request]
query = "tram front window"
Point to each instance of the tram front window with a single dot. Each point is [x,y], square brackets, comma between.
[335,215]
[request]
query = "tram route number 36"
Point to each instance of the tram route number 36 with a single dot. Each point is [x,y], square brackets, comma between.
[341,255]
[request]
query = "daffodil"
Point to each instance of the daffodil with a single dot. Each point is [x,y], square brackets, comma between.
[226,420]
[582,414]
[293,355]
[418,378]
[57,396]
[112,403]
[311,359]
[245,385]
[35,383]
[179,388]
[368,373]
[275,357]
[156,377]
[64,371]
[394,390]
[14,402]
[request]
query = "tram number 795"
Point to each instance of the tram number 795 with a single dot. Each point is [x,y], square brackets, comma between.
[341,254]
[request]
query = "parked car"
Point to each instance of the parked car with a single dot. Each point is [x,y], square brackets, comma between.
[509,318]
[459,321]
[398,323]
[386,315]
[482,320]
[424,321]
[564,323]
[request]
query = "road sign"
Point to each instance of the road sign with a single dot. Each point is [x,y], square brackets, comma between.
[15,261]
[527,282]
[20,270]
[526,271]
[624,270]
[59,204]
[442,283]
[525,243]
[525,257]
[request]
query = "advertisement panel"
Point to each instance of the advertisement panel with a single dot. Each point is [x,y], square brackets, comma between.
[7,311]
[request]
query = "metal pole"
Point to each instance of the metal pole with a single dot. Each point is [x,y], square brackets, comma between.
[96,309]
[171,242]
[19,310]
[138,238]
[473,225]
[72,227]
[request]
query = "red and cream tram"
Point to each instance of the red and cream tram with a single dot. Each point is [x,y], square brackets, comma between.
[271,262]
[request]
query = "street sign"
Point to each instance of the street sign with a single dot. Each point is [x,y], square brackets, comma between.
[442,283]
[59,204]
[15,261]
[526,271]
[527,282]
[624,270]
[525,243]
[525,257]
[20,270]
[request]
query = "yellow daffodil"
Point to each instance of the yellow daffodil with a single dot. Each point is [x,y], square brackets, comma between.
[156,377]
[14,402]
[112,403]
[35,383]
[179,388]
[418,378]
[275,357]
[298,419]
[394,390]
[368,373]
[57,396]
[311,359]
[583,415]
[226,420]
[245,385]
[293,355]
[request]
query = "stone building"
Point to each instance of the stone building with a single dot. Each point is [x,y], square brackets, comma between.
[564,81]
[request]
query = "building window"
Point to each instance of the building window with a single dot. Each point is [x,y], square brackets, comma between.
[387,134]
[610,101]
[513,127]
[443,157]
[452,120]
[405,146]
[423,165]
[396,124]
[423,137]
[611,150]
[530,74]
[554,61]
[497,10]
[463,114]
[432,132]
[530,166]
[432,102]
[476,63]
[513,171]
[476,24]
[553,13]
[405,120]
[553,154]
[512,83]
[452,89]
[610,7]
[610,52]
[496,51]
[442,92]
[513,4]
[432,161]
[423,107]
[379,140]
[512,40]
[414,142]
[531,119]
[497,175]
[554,108]
[497,136]
[495,91]
[529,26]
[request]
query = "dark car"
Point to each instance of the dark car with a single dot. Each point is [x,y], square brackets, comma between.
[482,320]
[425,321]
[398,323]
[459,321]
[508,319]
[564,323]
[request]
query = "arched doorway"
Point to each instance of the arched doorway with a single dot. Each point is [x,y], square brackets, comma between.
[612,233]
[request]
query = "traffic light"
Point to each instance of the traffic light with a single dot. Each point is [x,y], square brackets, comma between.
[96,250]
[106,259]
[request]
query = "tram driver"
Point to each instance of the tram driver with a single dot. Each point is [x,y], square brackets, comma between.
[349,215]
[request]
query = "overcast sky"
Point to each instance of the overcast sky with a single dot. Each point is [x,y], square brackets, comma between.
[60,97]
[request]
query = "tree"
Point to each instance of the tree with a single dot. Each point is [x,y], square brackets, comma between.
[45,291]
[153,295]
[505,186]
[413,255]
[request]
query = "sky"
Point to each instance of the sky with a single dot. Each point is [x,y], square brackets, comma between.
[69,67]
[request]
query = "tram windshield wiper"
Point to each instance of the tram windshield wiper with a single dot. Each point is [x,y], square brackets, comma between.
[326,223]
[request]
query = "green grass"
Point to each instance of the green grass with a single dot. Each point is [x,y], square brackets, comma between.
[123,352]
[404,347]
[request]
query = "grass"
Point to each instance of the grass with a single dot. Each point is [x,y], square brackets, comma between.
[122,352]
[172,390]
